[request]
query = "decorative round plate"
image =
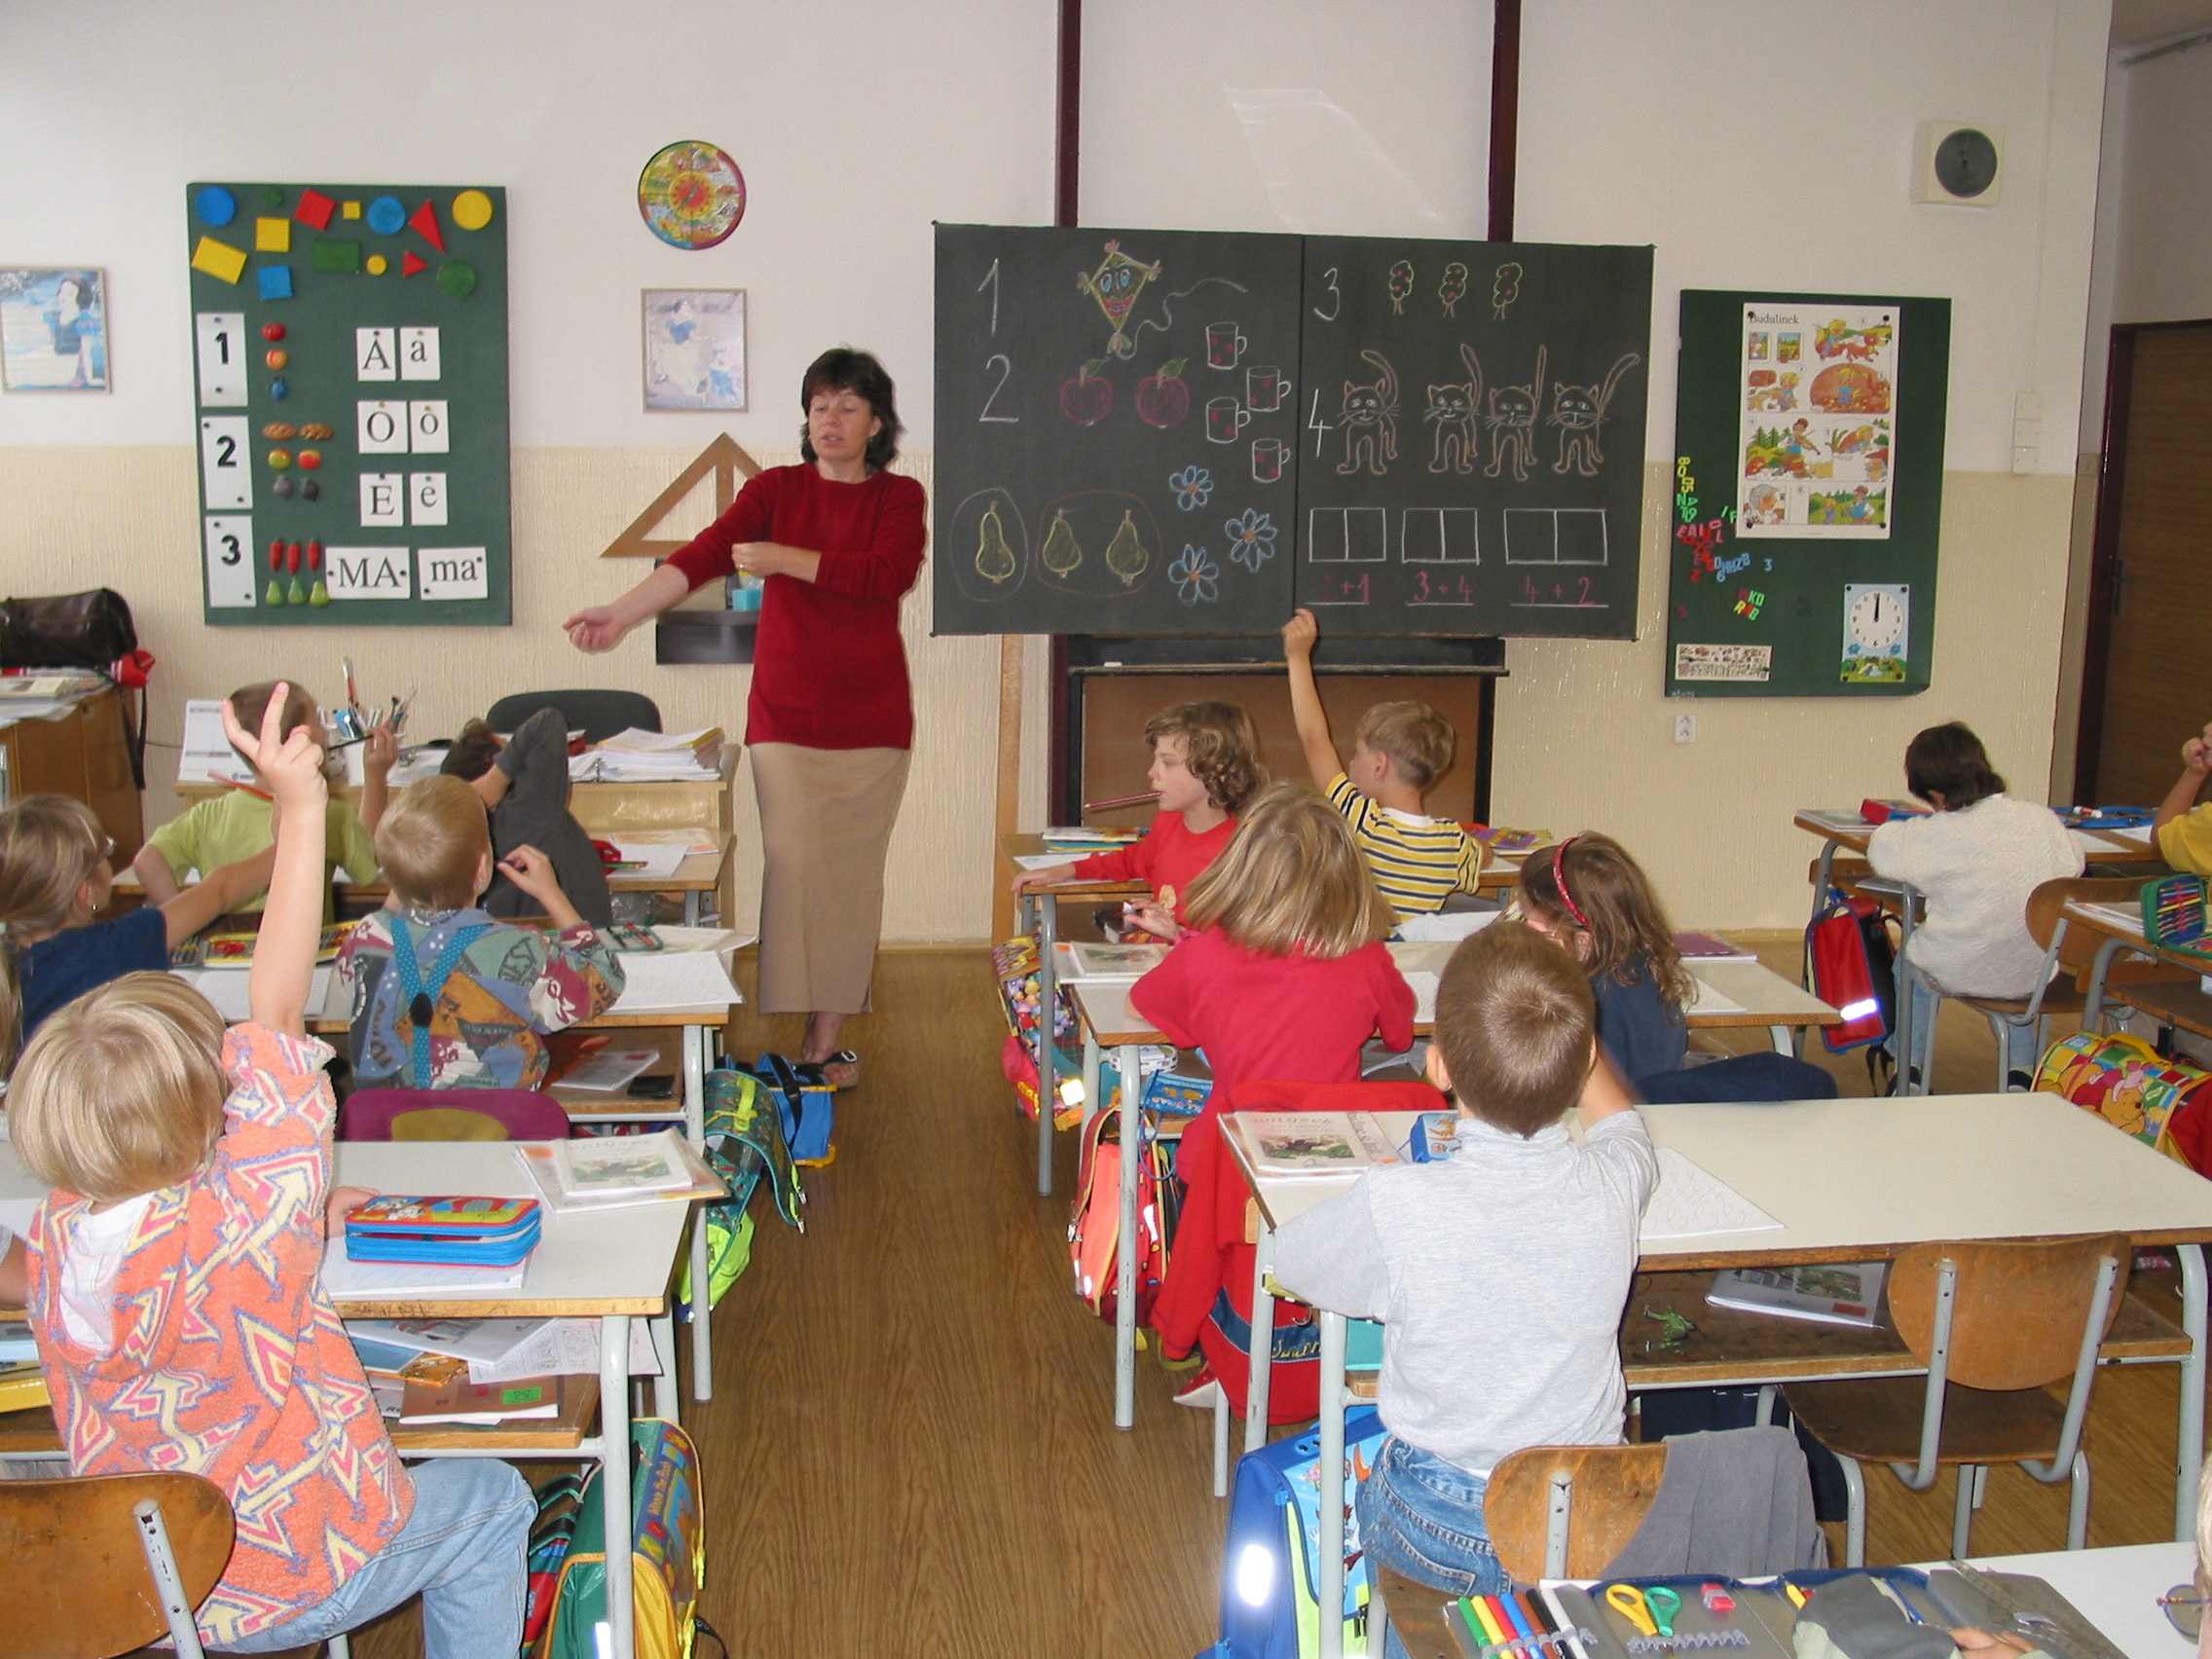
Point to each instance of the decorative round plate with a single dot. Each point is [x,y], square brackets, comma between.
[691,195]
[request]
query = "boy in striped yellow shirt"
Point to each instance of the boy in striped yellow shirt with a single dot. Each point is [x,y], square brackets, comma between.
[1398,755]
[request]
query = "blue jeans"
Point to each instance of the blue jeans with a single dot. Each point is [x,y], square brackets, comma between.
[1424,1517]
[464,1551]
[2022,1049]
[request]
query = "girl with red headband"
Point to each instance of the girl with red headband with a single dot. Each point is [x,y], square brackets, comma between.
[1589,895]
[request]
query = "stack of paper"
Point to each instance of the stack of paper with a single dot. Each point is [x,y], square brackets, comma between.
[633,755]
[655,981]
[1077,839]
[209,757]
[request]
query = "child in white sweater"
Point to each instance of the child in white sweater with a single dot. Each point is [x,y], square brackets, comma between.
[1975,859]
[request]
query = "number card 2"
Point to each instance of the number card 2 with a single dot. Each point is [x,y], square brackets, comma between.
[227,479]
[230,560]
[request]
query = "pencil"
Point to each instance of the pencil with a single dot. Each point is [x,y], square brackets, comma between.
[1119,800]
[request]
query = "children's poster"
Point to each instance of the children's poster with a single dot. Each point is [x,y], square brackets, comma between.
[1817,388]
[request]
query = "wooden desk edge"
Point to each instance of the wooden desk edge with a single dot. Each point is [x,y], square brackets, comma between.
[1746,1256]
[495,1307]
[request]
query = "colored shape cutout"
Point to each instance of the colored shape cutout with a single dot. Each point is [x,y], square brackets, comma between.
[275,281]
[315,210]
[331,254]
[426,223]
[215,206]
[273,236]
[272,198]
[350,209]
[378,265]
[457,279]
[472,209]
[387,214]
[410,263]
[219,260]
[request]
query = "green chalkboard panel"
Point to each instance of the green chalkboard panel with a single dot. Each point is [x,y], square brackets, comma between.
[371,321]
[1808,494]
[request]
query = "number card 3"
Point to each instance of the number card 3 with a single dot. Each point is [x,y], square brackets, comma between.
[230,560]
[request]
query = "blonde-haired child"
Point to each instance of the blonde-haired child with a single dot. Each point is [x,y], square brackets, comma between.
[54,879]
[237,824]
[445,996]
[1205,764]
[175,1264]
[1401,751]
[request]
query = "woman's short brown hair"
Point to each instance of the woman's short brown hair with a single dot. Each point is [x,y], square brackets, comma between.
[433,838]
[1291,880]
[1416,737]
[1516,1022]
[843,369]
[1219,747]
[121,1091]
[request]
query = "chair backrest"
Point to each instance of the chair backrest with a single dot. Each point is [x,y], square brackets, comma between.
[596,713]
[2080,946]
[1608,1491]
[2019,1308]
[452,1115]
[76,1584]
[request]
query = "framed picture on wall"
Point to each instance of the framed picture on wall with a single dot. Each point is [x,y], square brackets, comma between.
[694,348]
[54,329]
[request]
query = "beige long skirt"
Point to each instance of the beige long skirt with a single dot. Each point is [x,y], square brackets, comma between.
[826,818]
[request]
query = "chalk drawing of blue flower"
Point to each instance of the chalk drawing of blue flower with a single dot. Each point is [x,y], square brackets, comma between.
[1197,577]
[1192,486]
[1251,538]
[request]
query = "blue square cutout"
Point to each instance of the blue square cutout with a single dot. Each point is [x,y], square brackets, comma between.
[275,281]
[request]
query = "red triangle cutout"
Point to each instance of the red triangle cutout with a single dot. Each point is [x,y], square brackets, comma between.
[425,221]
[409,264]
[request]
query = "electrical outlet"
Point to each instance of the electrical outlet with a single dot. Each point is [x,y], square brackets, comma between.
[1685,729]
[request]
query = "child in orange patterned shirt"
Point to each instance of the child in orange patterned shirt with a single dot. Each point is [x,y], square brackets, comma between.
[175,1288]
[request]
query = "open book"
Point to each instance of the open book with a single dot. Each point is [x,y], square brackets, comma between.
[1310,1143]
[1839,1293]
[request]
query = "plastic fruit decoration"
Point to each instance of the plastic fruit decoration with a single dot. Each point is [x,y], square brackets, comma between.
[994,559]
[1125,556]
[1061,554]
[1088,399]
[1165,397]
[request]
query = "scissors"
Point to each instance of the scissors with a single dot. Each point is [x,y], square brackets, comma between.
[1653,1611]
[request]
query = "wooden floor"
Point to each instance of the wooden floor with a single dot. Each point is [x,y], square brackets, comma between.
[912,1447]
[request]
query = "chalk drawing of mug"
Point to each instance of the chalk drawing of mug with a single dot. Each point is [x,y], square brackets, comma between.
[1225,418]
[1264,388]
[1266,459]
[1223,345]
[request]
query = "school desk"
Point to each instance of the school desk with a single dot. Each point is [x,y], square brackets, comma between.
[2115,1589]
[613,1267]
[2122,930]
[1040,915]
[1850,1181]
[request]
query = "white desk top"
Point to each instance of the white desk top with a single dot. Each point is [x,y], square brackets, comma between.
[583,1265]
[1849,1179]
[2117,1589]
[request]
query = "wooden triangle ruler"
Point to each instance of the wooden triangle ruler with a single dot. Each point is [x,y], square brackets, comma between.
[724,460]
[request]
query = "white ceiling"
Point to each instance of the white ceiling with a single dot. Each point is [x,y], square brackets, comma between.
[2135,21]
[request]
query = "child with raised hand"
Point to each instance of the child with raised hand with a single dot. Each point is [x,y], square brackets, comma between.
[239,823]
[1401,751]
[54,879]
[1498,1274]
[1205,764]
[176,1263]
[2184,829]
[446,996]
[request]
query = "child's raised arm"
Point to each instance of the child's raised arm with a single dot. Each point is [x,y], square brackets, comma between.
[1321,759]
[291,924]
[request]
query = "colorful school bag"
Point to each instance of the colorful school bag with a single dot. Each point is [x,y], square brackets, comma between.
[808,1110]
[2131,1086]
[1094,1230]
[1850,967]
[668,1554]
[1272,1561]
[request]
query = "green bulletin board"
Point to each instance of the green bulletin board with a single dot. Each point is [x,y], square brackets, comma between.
[1808,496]
[349,357]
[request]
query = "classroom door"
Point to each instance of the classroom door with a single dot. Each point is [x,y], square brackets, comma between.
[2154,566]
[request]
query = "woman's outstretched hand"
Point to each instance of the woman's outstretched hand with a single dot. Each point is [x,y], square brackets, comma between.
[595,628]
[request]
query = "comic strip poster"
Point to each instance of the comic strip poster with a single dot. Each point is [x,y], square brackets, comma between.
[1818,421]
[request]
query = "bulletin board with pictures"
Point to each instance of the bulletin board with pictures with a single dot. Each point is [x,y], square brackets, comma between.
[350,373]
[1808,494]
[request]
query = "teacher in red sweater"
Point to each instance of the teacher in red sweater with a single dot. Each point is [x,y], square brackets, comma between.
[831,722]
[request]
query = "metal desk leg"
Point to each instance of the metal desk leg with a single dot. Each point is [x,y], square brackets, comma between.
[668,1399]
[692,907]
[1132,1057]
[696,1039]
[1785,1039]
[1047,1078]
[2093,999]
[2188,1455]
[1094,1101]
[615,1479]
[1908,900]
[1263,1351]
[1331,1597]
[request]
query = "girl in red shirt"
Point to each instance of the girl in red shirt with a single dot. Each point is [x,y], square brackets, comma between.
[1205,766]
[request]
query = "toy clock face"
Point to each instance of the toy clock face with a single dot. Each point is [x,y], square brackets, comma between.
[1875,620]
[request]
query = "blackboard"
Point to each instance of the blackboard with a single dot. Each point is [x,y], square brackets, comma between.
[1157,433]
[1800,409]
[335,307]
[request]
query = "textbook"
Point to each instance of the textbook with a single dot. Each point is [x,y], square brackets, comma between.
[235,949]
[1081,959]
[1311,1143]
[1711,948]
[1842,1292]
[543,1162]
[22,1387]
[613,1164]
[1079,839]
[464,1401]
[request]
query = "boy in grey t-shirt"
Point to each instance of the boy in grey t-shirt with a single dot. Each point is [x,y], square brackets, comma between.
[1499,1274]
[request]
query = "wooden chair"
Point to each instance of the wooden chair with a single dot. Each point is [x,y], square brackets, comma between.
[452,1115]
[1994,1323]
[2057,994]
[108,1563]
[598,714]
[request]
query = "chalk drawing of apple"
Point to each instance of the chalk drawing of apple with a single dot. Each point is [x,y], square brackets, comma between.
[1088,398]
[1163,398]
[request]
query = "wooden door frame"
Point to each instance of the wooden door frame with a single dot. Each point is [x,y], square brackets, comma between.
[2104,550]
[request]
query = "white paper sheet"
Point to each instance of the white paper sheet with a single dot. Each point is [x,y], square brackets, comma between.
[565,1347]
[208,753]
[1710,1001]
[663,979]
[605,1072]
[1449,926]
[1044,861]
[226,988]
[349,1281]
[657,861]
[1691,1204]
[1425,985]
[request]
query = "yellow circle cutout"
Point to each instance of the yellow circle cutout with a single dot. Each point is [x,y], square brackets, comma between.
[472,209]
[378,265]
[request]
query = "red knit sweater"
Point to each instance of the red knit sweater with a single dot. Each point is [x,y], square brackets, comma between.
[1170,857]
[828,669]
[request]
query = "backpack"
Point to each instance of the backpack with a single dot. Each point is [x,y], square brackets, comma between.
[1273,1559]
[668,1554]
[560,1505]
[1094,1230]
[808,1111]
[1850,967]
[1018,1060]
[2130,1085]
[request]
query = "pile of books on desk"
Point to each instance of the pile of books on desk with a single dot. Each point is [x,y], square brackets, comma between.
[1078,840]
[611,1172]
[483,1371]
[634,756]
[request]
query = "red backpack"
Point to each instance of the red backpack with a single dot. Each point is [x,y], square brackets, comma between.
[1850,967]
[1094,1230]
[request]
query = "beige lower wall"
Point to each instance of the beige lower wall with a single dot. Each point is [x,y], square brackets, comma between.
[1583,730]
